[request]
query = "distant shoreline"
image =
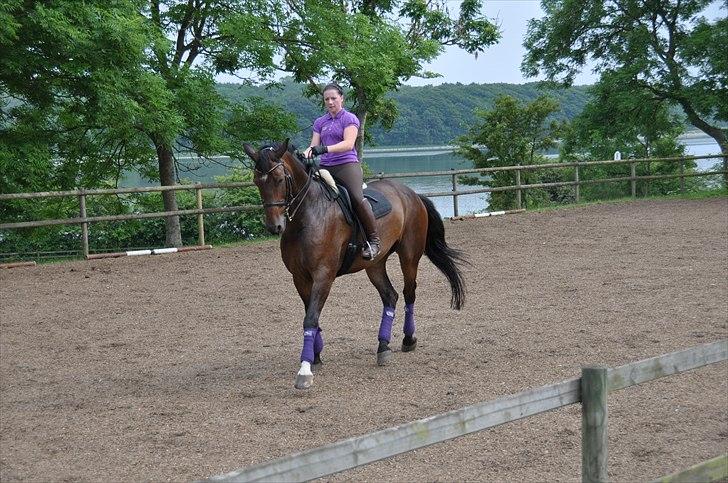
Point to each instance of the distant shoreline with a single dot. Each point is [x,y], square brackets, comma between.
[435,150]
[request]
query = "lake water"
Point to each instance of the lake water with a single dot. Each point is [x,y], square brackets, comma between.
[429,159]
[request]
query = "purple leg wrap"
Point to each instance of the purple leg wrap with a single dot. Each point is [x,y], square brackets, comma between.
[409,319]
[308,338]
[318,342]
[385,326]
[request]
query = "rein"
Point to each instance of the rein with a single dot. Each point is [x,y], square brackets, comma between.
[290,197]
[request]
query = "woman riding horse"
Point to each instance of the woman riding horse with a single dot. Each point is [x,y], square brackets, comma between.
[334,135]
[314,239]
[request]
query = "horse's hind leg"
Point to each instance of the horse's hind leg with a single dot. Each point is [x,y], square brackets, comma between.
[379,278]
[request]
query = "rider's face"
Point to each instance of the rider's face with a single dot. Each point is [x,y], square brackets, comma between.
[333,101]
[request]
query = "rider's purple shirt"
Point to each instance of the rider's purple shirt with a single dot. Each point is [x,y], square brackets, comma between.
[331,130]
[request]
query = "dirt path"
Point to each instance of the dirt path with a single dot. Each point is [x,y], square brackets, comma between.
[178,367]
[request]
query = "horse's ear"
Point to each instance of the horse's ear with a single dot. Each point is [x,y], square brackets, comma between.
[282,148]
[250,151]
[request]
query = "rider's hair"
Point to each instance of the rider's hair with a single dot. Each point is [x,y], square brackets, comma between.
[334,86]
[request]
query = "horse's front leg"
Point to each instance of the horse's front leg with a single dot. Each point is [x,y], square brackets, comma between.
[314,294]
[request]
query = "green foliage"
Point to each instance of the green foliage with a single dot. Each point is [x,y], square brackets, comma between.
[631,123]
[429,115]
[99,88]
[512,134]
[372,47]
[666,52]
[62,65]
[230,227]
[115,236]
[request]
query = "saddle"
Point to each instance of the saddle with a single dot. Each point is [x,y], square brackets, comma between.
[380,207]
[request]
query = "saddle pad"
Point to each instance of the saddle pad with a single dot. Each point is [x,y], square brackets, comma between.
[380,204]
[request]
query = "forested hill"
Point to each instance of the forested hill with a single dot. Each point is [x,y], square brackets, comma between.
[428,115]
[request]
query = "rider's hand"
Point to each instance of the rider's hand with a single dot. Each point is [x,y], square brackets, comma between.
[319,150]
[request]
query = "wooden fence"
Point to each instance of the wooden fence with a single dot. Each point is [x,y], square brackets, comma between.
[591,390]
[200,211]
[577,183]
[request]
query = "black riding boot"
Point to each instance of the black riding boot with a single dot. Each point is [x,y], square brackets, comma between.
[371,248]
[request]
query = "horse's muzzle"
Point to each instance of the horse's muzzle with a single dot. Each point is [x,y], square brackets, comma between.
[276,228]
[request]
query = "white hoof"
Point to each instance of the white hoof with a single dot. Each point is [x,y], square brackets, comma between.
[304,378]
[304,382]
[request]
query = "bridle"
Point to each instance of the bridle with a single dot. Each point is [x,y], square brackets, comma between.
[291,198]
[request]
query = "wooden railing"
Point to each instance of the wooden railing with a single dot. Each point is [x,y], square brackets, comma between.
[577,183]
[591,390]
[200,211]
[84,220]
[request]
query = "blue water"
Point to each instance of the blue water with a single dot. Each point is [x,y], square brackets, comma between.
[428,184]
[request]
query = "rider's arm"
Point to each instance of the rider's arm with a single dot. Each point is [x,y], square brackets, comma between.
[315,141]
[347,144]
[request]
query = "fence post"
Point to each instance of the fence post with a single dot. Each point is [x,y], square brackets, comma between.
[682,175]
[576,179]
[518,189]
[200,218]
[633,176]
[594,424]
[84,226]
[454,196]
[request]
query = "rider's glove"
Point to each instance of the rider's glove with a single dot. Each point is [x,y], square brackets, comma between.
[319,150]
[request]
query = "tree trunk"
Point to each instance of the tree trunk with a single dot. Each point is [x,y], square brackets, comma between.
[359,144]
[167,178]
[716,133]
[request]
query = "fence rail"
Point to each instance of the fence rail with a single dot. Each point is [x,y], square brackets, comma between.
[200,211]
[362,450]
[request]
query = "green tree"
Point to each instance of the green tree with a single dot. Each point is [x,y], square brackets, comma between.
[372,46]
[107,86]
[625,121]
[60,67]
[511,134]
[628,122]
[664,48]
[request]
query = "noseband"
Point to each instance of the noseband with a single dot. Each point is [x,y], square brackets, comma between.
[290,197]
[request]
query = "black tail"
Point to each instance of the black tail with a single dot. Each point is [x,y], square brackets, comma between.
[446,259]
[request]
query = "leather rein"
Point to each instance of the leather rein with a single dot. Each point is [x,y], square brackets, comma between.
[291,198]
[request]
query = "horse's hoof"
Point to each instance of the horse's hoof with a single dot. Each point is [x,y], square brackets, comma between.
[304,381]
[409,346]
[384,357]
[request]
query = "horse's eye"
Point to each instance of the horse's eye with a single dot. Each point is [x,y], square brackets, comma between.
[279,181]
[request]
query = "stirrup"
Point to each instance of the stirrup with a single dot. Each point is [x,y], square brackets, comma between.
[370,250]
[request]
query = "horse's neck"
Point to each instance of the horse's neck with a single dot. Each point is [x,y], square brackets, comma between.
[315,203]
[298,172]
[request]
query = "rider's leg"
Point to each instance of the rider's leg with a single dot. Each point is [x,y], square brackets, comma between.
[351,176]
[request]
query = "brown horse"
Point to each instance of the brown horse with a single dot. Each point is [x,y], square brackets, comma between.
[314,239]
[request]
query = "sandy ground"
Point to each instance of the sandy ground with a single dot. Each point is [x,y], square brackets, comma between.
[178,367]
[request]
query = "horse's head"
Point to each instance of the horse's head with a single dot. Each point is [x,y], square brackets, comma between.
[274,183]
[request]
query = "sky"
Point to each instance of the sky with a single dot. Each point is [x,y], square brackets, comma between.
[502,61]
[499,63]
